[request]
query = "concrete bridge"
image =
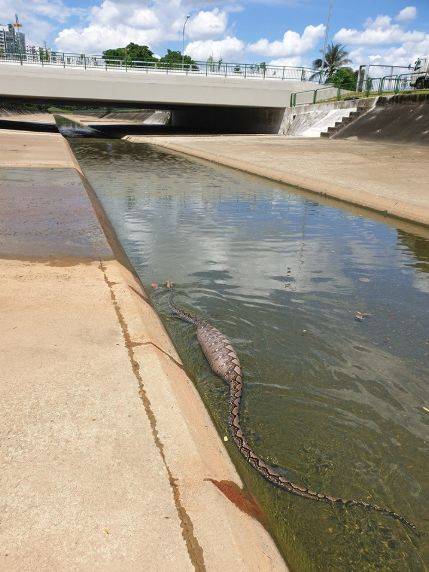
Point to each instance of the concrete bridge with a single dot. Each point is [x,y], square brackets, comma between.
[199,102]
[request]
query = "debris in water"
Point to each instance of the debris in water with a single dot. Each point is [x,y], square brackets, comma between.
[169,284]
[426,409]
[154,285]
[360,316]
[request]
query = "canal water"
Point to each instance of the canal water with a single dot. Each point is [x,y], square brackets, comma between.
[338,402]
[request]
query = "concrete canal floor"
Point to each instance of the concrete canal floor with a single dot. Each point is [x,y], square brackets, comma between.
[385,177]
[108,458]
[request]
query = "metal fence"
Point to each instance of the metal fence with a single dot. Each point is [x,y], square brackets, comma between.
[208,68]
[378,70]
[317,95]
[389,84]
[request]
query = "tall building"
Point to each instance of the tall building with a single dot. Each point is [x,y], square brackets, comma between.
[42,53]
[12,41]
[33,52]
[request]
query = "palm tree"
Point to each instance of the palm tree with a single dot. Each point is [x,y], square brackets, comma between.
[335,58]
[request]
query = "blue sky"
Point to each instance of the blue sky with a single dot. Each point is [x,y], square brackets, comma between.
[285,32]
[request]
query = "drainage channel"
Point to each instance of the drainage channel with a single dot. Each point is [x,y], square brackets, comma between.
[327,311]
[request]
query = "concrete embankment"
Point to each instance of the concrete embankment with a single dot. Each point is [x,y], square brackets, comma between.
[398,118]
[112,124]
[108,458]
[36,120]
[383,177]
[311,120]
[142,117]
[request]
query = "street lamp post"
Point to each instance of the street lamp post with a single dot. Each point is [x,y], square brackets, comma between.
[325,41]
[183,41]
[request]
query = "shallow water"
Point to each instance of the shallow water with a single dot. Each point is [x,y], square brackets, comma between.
[335,401]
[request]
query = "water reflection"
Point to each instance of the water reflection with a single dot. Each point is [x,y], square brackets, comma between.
[336,402]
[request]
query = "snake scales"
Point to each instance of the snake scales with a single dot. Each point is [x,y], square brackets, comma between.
[225,363]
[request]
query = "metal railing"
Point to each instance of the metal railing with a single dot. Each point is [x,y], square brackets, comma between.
[208,68]
[317,95]
[396,83]
[380,70]
[389,84]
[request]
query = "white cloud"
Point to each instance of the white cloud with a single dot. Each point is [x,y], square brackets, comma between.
[402,55]
[114,23]
[292,44]
[207,24]
[406,14]
[288,51]
[143,18]
[39,17]
[378,32]
[96,38]
[229,48]
[381,21]
[382,41]
[53,9]
[118,13]
[294,61]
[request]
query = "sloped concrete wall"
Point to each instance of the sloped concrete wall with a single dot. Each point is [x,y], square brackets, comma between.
[398,118]
[25,119]
[311,120]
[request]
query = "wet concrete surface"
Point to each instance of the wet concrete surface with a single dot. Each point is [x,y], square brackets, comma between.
[46,213]
[31,149]
[105,445]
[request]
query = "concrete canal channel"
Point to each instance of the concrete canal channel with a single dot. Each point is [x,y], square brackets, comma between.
[335,401]
[326,305]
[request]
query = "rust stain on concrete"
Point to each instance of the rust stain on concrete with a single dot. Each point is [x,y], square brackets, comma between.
[242,499]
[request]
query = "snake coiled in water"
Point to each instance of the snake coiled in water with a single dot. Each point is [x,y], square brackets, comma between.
[224,362]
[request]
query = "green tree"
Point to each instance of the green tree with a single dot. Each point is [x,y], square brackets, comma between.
[345,78]
[131,53]
[44,54]
[173,58]
[263,68]
[335,58]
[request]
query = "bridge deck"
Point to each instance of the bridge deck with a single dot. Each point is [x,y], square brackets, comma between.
[150,89]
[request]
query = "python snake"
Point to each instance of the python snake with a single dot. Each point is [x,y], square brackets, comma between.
[224,362]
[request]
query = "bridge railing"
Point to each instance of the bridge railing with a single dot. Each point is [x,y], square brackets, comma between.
[388,84]
[208,68]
